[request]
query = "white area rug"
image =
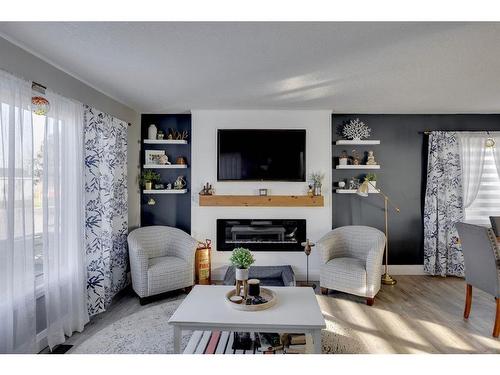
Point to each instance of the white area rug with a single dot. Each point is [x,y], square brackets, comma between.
[148,332]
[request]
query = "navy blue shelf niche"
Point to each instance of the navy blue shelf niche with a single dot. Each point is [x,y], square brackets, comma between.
[173,210]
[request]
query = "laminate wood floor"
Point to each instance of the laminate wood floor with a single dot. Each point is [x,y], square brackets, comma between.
[420,314]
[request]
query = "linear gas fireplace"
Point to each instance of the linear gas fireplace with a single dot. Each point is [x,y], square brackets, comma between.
[261,235]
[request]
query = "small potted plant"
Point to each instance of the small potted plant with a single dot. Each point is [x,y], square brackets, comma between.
[372,178]
[148,177]
[241,259]
[317,180]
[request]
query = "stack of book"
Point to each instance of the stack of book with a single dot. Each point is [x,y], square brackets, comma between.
[296,344]
[270,343]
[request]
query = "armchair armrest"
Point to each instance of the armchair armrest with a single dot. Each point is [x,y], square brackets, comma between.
[373,265]
[139,261]
[328,247]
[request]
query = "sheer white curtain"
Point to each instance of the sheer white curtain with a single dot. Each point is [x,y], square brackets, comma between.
[17,274]
[496,149]
[472,152]
[64,266]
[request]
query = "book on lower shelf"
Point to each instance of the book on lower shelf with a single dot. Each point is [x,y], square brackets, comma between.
[269,342]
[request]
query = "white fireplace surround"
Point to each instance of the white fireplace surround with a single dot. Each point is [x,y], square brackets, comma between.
[204,169]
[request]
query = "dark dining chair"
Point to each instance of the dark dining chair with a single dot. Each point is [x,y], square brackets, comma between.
[482,266]
[495,225]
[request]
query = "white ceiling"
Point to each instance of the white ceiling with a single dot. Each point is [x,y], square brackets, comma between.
[346,67]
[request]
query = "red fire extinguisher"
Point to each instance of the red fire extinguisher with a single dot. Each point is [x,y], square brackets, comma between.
[203,263]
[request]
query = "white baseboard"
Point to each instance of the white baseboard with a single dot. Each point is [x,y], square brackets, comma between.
[406,269]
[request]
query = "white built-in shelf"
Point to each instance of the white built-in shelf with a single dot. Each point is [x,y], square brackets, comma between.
[352,191]
[362,166]
[358,142]
[164,166]
[165,191]
[166,141]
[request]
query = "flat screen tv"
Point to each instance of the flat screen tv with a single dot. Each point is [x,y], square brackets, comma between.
[261,155]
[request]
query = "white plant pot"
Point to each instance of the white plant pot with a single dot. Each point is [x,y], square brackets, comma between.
[241,273]
[372,187]
[148,185]
[343,161]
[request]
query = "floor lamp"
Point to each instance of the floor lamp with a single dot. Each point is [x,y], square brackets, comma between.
[363,191]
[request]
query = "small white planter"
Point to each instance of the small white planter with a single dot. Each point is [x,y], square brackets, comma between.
[241,273]
[372,187]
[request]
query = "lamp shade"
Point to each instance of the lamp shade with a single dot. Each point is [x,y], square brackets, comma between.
[363,189]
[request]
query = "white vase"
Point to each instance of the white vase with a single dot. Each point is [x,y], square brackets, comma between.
[152,131]
[372,187]
[343,161]
[241,273]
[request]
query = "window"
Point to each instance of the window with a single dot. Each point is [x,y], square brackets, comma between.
[487,202]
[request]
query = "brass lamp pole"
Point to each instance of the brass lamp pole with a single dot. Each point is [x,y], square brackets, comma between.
[363,191]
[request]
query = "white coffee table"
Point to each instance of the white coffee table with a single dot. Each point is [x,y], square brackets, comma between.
[296,311]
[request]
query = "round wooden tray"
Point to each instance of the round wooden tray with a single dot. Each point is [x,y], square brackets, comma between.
[264,292]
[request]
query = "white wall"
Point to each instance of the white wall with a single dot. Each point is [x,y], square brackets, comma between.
[204,169]
[23,64]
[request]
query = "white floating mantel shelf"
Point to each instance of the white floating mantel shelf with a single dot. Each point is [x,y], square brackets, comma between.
[165,191]
[165,141]
[352,191]
[357,166]
[358,142]
[164,166]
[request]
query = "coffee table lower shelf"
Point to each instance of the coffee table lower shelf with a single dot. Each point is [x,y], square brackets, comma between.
[217,342]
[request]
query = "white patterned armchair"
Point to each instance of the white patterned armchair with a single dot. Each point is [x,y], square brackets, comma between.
[161,260]
[351,259]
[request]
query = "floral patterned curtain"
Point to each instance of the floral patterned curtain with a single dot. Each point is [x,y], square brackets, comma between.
[106,215]
[443,206]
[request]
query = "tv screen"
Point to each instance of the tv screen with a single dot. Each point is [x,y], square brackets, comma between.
[261,155]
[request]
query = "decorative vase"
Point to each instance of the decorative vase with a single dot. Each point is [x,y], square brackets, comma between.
[148,185]
[317,190]
[241,274]
[152,131]
[343,161]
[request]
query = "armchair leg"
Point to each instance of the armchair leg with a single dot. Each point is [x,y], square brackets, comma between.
[370,301]
[468,301]
[496,328]
[324,290]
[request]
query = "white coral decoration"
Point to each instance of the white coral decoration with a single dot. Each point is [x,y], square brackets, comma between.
[356,129]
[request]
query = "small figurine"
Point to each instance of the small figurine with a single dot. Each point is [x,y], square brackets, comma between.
[371,159]
[180,160]
[160,134]
[342,184]
[207,189]
[355,158]
[180,183]
[343,159]
[310,192]
[163,159]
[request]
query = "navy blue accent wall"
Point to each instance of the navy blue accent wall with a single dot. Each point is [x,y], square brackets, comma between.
[403,158]
[170,209]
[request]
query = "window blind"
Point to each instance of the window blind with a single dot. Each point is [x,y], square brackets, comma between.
[487,202]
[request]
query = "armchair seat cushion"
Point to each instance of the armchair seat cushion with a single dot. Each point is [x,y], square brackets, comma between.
[167,273]
[345,274]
